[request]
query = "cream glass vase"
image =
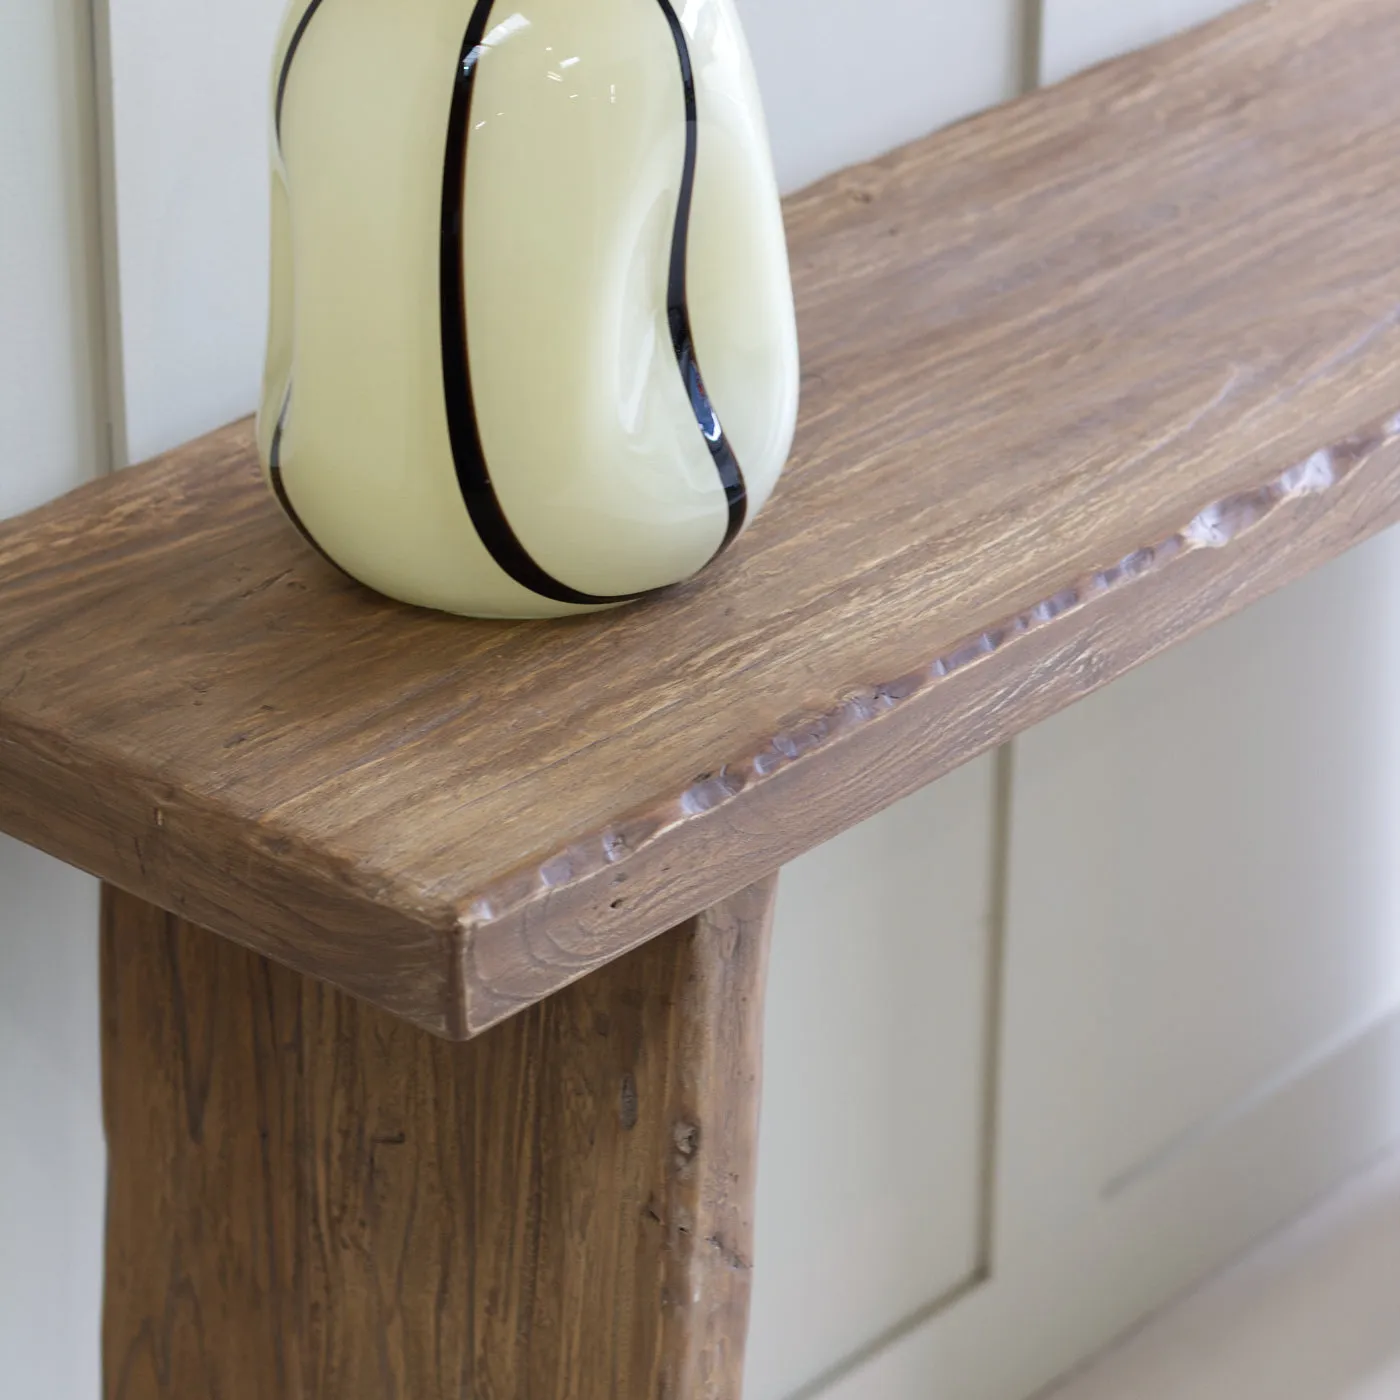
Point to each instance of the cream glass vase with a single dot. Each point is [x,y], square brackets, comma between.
[532,346]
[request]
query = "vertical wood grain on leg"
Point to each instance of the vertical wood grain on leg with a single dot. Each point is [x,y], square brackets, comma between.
[309,1199]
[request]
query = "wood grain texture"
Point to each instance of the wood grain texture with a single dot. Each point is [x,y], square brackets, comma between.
[1081,376]
[310,1198]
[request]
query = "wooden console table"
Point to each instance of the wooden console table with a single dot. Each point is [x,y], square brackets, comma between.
[1083,375]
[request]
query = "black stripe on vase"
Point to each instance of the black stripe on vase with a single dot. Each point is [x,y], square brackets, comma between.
[298,34]
[279,485]
[274,455]
[473,473]
[678,303]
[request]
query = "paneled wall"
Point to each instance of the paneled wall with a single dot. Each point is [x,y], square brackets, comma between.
[1076,34]
[52,401]
[843,83]
[188,97]
[53,427]
[875,1177]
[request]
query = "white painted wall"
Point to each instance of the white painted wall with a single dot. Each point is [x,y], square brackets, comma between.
[846,82]
[53,435]
[50,326]
[1201,1012]
[52,1156]
[1076,34]
[188,94]
[873,1181]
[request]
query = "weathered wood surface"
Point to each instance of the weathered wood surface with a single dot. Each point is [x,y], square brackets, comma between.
[1082,376]
[311,1199]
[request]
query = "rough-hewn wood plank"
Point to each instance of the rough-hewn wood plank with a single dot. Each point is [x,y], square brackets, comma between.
[1082,376]
[311,1199]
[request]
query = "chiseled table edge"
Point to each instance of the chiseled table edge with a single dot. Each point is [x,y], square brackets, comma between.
[913,729]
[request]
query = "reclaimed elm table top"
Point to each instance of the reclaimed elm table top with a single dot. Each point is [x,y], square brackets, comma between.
[1082,375]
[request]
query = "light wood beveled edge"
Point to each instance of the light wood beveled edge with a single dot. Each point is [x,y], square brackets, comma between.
[912,729]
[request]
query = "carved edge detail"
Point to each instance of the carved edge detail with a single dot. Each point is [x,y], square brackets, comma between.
[1219,525]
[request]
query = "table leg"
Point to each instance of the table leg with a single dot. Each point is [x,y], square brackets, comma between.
[312,1201]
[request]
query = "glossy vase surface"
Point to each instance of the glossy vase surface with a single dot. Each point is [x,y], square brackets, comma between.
[532,346]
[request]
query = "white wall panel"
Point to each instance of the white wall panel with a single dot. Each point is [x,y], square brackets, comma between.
[1207,850]
[845,82]
[1201,1013]
[189,89]
[50,330]
[1251,870]
[1076,34]
[52,1156]
[52,425]
[876,1097]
